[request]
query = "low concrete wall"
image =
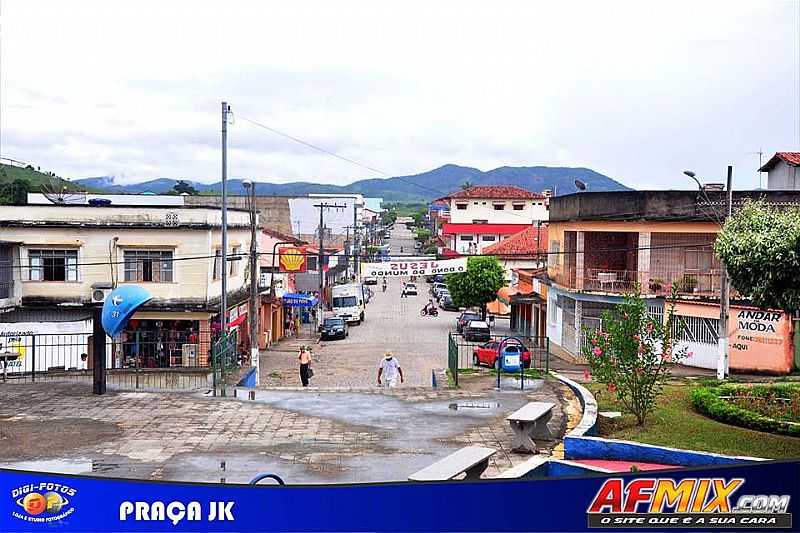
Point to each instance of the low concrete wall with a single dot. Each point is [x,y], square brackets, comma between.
[581,447]
[144,379]
[540,466]
[588,422]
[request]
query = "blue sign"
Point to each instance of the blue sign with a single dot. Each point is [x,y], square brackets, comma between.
[296,299]
[760,495]
[120,306]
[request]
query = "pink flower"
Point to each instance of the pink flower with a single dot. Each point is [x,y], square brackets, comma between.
[611,387]
[641,348]
[637,338]
[689,354]
[586,375]
[597,351]
[594,342]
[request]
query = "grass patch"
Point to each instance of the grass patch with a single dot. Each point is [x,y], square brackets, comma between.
[675,423]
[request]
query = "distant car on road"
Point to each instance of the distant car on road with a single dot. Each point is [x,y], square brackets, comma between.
[442,294]
[334,328]
[477,331]
[370,280]
[411,289]
[436,287]
[446,303]
[486,354]
[464,319]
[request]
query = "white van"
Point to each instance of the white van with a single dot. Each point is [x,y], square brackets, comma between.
[348,302]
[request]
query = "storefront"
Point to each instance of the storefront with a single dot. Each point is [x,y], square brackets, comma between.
[300,312]
[164,340]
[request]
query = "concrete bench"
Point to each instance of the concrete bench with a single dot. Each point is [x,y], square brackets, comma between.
[530,422]
[472,461]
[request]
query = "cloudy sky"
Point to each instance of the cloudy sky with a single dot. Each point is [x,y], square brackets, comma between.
[636,90]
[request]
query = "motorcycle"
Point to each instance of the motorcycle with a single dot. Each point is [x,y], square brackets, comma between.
[429,312]
[384,287]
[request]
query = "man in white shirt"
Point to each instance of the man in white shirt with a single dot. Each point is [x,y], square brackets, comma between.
[389,369]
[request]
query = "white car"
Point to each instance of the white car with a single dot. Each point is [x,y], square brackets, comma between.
[370,280]
[411,289]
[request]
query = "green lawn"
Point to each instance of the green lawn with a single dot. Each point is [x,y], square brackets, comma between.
[675,423]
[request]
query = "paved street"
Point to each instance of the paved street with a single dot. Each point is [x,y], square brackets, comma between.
[392,323]
[303,436]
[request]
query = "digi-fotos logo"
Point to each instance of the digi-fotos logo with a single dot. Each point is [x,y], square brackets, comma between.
[43,502]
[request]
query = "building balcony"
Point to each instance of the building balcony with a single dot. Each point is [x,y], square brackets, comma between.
[686,281]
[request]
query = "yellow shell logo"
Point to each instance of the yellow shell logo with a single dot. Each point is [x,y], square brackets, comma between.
[292,259]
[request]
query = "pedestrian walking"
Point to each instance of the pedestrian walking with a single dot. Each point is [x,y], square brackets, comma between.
[305,365]
[389,369]
[403,292]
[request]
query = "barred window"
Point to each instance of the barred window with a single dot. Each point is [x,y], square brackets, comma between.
[217,263]
[695,329]
[148,266]
[53,265]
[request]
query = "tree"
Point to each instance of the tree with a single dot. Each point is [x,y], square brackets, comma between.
[184,187]
[422,235]
[466,185]
[760,246]
[478,285]
[16,192]
[630,355]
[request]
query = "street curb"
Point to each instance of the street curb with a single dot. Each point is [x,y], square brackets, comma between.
[588,423]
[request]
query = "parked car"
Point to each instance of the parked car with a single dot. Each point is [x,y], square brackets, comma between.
[411,289]
[464,318]
[486,354]
[477,331]
[436,287]
[442,294]
[334,328]
[447,303]
[370,280]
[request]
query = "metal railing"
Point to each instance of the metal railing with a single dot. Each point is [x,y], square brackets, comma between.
[686,281]
[461,351]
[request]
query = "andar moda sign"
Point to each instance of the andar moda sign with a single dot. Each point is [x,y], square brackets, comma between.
[292,259]
[414,268]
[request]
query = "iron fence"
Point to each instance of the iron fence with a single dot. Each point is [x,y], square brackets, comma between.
[27,356]
[464,353]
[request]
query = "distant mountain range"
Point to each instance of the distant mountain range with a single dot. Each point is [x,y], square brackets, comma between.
[417,188]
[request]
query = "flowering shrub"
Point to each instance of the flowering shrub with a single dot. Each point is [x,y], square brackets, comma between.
[631,354]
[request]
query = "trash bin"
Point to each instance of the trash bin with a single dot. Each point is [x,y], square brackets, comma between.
[510,358]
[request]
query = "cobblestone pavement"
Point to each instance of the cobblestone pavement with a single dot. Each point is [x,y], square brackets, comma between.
[392,324]
[304,436]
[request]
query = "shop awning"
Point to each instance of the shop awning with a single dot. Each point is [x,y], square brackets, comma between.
[498,308]
[296,299]
[505,294]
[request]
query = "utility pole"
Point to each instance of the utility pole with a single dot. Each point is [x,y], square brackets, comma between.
[224,301]
[321,282]
[725,293]
[254,296]
[356,249]
[347,248]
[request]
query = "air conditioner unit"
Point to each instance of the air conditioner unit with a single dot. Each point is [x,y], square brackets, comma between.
[99,294]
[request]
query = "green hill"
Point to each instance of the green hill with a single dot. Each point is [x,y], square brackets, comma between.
[17,181]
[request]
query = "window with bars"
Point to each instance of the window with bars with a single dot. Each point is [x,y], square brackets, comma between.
[53,265]
[695,329]
[235,259]
[148,266]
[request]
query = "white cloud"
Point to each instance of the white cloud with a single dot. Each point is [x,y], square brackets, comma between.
[636,90]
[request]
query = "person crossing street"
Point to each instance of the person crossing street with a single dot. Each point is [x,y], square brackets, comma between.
[389,369]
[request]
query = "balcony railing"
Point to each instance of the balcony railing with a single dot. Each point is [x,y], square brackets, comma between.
[687,281]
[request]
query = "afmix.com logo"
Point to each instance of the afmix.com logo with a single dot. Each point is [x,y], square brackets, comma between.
[43,502]
[687,503]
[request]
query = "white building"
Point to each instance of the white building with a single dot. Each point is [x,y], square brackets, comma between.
[481,216]
[783,171]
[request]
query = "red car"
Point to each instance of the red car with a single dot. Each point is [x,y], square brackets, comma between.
[486,354]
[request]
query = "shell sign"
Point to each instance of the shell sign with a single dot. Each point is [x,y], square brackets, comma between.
[292,259]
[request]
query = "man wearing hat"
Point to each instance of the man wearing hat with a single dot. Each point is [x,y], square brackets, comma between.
[389,369]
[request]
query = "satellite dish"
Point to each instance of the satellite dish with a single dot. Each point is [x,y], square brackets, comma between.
[580,185]
[57,193]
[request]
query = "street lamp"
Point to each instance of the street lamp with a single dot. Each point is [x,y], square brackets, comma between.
[250,187]
[724,283]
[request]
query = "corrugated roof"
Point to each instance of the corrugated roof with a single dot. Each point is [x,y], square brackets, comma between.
[790,158]
[530,241]
[498,192]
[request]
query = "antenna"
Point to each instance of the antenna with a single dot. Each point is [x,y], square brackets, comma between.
[581,185]
[760,164]
[57,193]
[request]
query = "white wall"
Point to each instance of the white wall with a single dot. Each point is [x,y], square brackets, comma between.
[783,177]
[304,217]
[483,209]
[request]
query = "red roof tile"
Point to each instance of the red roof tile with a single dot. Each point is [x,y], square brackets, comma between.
[504,192]
[530,241]
[790,158]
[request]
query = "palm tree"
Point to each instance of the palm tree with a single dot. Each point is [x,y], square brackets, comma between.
[466,185]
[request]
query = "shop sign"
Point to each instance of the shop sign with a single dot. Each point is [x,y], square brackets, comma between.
[292,259]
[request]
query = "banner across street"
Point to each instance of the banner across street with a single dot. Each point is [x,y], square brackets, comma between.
[414,267]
